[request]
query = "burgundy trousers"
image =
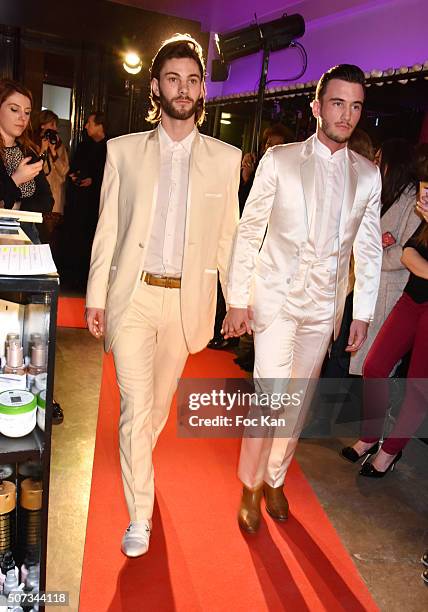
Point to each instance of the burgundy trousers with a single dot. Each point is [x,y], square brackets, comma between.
[405,329]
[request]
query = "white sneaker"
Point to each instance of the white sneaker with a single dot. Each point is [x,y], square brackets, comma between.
[135,541]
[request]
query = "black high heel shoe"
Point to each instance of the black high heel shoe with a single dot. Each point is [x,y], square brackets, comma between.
[350,454]
[370,471]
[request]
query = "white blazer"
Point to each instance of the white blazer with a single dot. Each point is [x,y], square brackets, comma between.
[282,199]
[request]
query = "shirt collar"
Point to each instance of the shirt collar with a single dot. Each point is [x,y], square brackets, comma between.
[323,151]
[167,142]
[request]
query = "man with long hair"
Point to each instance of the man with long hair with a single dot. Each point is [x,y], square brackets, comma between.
[169,209]
[319,202]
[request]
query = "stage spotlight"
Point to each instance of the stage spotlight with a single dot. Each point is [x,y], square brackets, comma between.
[132,63]
[277,34]
[271,36]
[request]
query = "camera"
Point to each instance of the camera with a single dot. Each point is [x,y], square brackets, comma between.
[51,136]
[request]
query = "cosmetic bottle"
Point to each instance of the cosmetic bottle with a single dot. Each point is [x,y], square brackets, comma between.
[15,359]
[38,360]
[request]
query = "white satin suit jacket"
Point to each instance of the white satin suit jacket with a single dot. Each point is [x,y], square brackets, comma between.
[283,200]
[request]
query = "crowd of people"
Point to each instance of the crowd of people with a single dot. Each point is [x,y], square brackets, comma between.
[310,241]
[36,175]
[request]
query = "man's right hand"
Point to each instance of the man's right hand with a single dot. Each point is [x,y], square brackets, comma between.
[95,321]
[26,172]
[237,322]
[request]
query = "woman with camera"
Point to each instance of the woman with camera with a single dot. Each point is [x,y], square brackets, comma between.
[55,167]
[22,181]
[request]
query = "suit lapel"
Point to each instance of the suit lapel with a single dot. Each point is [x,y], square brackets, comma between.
[149,168]
[351,182]
[192,192]
[307,173]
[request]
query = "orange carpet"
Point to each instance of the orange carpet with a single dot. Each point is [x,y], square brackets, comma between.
[71,312]
[198,558]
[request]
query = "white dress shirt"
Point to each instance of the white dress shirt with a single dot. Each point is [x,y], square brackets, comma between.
[165,250]
[330,175]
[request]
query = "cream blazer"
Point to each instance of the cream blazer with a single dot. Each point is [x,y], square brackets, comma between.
[282,199]
[128,199]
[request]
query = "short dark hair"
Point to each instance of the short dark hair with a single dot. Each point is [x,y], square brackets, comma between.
[361,143]
[99,119]
[343,72]
[179,46]
[278,129]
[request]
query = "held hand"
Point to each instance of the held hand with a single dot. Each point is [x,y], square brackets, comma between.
[422,207]
[95,321]
[357,335]
[87,182]
[237,322]
[26,172]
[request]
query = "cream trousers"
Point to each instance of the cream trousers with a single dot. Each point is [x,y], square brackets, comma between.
[288,358]
[149,353]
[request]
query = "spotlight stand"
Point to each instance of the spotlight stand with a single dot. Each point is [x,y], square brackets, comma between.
[260,100]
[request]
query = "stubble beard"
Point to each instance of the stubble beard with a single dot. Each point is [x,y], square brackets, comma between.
[169,109]
[328,131]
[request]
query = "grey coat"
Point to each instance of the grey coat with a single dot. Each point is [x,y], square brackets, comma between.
[402,221]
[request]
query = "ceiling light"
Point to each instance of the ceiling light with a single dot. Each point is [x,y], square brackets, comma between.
[132,63]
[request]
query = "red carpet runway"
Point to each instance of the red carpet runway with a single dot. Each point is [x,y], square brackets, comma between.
[198,558]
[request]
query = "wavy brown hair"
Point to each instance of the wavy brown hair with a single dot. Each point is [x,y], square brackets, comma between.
[179,46]
[7,88]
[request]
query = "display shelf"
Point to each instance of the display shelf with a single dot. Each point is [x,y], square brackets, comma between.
[20,449]
[34,302]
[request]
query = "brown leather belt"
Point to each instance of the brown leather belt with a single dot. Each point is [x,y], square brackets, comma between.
[161,281]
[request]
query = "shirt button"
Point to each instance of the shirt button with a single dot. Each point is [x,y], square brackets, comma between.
[288,281]
[141,245]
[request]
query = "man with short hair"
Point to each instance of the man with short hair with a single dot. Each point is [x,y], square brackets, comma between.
[83,199]
[169,210]
[319,202]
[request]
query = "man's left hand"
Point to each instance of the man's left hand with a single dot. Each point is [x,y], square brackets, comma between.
[357,335]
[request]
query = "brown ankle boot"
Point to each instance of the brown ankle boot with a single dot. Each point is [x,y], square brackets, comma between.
[249,511]
[276,502]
